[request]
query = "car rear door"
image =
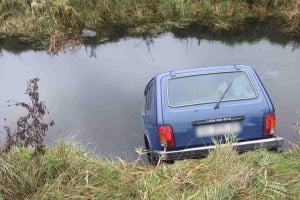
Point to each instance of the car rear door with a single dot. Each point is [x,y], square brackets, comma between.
[187,119]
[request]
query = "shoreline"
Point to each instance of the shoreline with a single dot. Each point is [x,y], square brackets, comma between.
[59,24]
[67,171]
[256,32]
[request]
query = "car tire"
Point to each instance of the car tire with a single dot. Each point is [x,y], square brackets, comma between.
[168,162]
[274,150]
[151,159]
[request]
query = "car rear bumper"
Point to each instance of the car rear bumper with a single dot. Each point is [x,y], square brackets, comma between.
[197,152]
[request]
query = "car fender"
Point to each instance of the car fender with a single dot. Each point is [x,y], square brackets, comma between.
[153,141]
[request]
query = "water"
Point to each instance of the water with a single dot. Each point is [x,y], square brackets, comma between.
[95,94]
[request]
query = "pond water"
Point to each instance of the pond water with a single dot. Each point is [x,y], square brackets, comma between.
[95,94]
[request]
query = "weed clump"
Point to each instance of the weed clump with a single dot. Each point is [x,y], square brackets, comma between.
[41,19]
[66,171]
[31,128]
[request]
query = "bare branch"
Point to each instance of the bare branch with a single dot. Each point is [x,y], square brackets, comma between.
[31,129]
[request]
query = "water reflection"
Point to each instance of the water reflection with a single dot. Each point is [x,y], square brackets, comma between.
[253,32]
[96,92]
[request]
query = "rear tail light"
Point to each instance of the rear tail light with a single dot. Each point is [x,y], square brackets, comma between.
[165,134]
[269,125]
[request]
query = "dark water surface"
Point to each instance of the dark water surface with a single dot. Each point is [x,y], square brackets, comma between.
[95,95]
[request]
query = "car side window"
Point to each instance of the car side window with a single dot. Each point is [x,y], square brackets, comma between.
[149,95]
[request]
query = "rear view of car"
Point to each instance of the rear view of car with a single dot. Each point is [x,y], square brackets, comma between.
[187,110]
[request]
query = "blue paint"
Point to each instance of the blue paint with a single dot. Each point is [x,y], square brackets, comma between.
[159,112]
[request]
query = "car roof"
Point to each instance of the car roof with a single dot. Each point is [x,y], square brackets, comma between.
[211,69]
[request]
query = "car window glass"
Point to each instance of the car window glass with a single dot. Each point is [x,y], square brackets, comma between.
[149,97]
[209,88]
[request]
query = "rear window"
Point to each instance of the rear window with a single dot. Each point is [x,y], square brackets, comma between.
[209,88]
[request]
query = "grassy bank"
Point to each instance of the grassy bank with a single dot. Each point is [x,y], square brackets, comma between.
[63,20]
[67,172]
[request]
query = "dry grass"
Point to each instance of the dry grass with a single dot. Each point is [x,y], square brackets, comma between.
[67,172]
[58,41]
[38,19]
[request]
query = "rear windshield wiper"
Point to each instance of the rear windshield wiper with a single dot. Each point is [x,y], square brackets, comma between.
[218,103]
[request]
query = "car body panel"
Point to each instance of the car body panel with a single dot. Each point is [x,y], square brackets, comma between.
[182,118]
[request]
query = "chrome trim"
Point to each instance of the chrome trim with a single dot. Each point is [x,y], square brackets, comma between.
[201,151]
[192,104]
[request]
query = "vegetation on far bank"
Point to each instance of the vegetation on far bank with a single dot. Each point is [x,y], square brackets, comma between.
[63,20]
[67,172]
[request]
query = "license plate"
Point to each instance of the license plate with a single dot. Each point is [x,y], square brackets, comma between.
[218,129]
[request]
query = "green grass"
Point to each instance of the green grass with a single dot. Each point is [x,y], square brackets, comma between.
[37,19]
[68,172]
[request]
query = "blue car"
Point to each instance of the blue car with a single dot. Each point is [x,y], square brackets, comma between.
[186,111]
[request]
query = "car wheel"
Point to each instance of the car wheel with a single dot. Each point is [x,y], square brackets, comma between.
[274,150]
[169,162]
[151,160]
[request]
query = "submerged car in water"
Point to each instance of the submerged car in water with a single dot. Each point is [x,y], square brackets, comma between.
[186,111]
